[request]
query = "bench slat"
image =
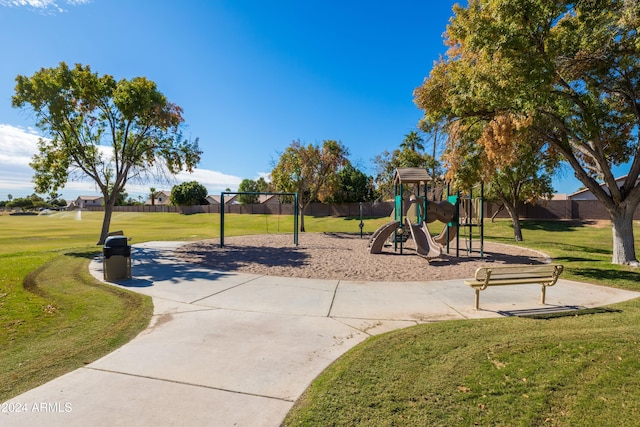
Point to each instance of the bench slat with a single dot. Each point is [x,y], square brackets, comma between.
[517,271]
[513,281]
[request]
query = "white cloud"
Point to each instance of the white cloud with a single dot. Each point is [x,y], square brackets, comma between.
[265,175]
[17,147]
[214,181]
[43,5]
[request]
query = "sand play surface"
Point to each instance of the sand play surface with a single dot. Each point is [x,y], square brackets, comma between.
[345,256]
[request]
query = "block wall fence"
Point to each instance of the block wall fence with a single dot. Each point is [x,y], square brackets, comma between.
[582,210]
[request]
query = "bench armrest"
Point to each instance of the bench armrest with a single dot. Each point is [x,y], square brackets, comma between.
[487,278]
[557,271]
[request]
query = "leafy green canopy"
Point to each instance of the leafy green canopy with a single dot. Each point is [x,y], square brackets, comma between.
[568,71]
[188,194]
[110,131]
[311,171]
[250,186]
[353,186]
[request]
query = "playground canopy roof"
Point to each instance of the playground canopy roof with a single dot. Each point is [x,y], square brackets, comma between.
[411,176]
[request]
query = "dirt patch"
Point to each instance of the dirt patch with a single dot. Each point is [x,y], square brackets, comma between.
[345,256]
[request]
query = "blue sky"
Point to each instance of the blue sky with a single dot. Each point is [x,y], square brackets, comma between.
[251,75]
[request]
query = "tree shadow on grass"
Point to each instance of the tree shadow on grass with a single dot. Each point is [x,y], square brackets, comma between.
[585,249]
[88,254]
[558,226]
[567,259]
[593,274]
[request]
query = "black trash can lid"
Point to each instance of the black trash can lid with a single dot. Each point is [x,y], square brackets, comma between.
[116,242]
[108,252]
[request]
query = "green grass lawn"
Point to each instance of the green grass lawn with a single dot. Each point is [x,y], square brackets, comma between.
[561,371]
[567,371]
[576,369]
[55,317]
[52,310]
[586,249]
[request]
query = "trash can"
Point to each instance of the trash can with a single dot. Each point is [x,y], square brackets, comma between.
[116,261]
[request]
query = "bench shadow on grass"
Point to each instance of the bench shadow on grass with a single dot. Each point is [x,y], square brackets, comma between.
[556,312]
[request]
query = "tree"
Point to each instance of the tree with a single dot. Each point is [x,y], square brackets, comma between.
[153,193]
[22,203]
[121,199]
[413,142]
[522,176]
[309,171]
[249,186]
[353,186]
[569,71]
[263,185]
[404,157]
[112,132]
[33,201]
[188,194]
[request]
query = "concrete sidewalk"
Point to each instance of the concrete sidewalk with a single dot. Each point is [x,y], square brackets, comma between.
[238,349]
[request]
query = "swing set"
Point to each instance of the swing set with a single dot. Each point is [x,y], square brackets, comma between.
[232,193]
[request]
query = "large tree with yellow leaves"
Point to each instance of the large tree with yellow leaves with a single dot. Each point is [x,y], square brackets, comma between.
[568,72]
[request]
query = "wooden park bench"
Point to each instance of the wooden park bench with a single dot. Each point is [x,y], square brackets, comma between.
[545,275]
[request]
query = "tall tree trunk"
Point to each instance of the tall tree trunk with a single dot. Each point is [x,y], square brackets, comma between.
[106,221]
[624,251]
[495,214]
[512,209]
[515,219]
[302,209]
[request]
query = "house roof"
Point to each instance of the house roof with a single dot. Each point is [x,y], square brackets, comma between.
[216,199]
[263,198]
[586,190]
[89,197]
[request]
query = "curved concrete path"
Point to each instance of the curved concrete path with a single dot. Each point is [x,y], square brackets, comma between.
[231,349]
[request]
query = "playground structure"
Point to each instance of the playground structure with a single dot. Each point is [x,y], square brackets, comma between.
[456,212]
